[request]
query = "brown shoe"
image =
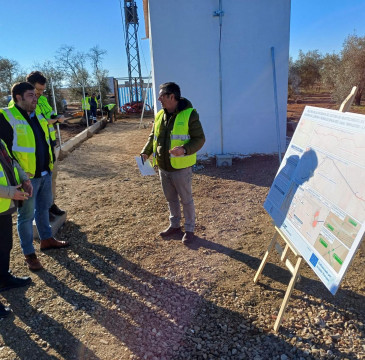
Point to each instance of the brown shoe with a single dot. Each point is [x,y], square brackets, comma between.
[170,231]
[188,238]
[33,263]
[52,243]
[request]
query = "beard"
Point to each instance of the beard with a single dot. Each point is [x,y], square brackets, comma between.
[27,106]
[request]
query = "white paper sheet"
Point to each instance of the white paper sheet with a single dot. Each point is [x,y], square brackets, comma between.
[146,169]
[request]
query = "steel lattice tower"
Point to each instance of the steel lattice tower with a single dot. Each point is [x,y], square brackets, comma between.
[131,44]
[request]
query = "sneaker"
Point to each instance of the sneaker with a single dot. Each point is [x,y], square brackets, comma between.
[52,243]
[170,231]
[12,282]
[188,237]
[55,210]
[33,263]
[4,311]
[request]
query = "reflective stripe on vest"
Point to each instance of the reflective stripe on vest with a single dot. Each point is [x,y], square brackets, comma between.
[24,145]
[178,137]
[5,203]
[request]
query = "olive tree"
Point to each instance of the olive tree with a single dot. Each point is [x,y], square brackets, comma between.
[308,68]
[351,71]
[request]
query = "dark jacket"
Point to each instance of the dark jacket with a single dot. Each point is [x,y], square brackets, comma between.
[197,138]
[93,103]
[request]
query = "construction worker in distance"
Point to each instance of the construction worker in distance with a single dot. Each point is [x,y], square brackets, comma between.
[110,109]
[85,105]
[38,80]
[93,107]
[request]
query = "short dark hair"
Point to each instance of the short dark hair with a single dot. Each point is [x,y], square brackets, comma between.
[20,88]
[171,88]
[36,77]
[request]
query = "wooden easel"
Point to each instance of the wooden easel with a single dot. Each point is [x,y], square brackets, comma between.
[294,269]
[283,252]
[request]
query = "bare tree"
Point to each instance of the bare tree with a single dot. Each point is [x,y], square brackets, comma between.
[96,56]
[73,64]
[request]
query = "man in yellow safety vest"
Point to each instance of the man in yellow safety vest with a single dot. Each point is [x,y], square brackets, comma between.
[176,137]
[27,138]
[85,105]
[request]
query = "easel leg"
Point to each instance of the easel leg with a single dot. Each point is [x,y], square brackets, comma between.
[263,262]
[362,246]
[287,294]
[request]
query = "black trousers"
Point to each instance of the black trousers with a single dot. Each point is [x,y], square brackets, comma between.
[6,244]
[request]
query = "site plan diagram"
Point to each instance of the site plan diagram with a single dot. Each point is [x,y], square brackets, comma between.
[317,198]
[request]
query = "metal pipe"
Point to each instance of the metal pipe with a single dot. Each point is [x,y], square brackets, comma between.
[220,13]
[144,100]
[55,109]
[276,101]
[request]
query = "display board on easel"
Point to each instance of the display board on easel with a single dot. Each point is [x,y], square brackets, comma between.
[317,199]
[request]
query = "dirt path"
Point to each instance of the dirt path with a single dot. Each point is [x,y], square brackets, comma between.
[121,292]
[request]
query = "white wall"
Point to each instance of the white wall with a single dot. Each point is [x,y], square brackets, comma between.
[184,47]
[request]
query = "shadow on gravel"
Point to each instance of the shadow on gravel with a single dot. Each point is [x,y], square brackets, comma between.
[156,317]
[47,329]
[348,302]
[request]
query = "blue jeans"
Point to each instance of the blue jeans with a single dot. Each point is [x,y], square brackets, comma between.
[36,207]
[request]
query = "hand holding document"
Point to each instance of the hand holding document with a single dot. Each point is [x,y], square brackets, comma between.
[145,167]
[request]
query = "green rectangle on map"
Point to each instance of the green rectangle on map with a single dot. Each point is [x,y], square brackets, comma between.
[337,259]
[323,242]
[330,227]
[353,222]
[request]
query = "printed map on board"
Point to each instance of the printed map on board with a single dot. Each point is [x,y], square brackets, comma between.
[318,196]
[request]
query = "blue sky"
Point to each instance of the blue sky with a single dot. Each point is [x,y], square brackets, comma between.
[33,31]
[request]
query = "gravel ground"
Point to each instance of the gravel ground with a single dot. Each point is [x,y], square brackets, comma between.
[121,292]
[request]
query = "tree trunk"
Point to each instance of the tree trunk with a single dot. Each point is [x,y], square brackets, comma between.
[358,96]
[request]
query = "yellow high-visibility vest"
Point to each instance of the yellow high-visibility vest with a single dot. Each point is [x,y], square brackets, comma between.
[46,110]
[85,103]
[5,203]
[24,146]
[178,137]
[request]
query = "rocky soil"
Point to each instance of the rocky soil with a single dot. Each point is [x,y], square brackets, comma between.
[121,292]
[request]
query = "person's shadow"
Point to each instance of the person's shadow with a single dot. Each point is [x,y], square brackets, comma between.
[296,172]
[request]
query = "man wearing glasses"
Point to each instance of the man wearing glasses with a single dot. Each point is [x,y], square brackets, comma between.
[176,137]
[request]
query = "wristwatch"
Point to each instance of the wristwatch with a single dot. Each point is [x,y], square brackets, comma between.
[184,151]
